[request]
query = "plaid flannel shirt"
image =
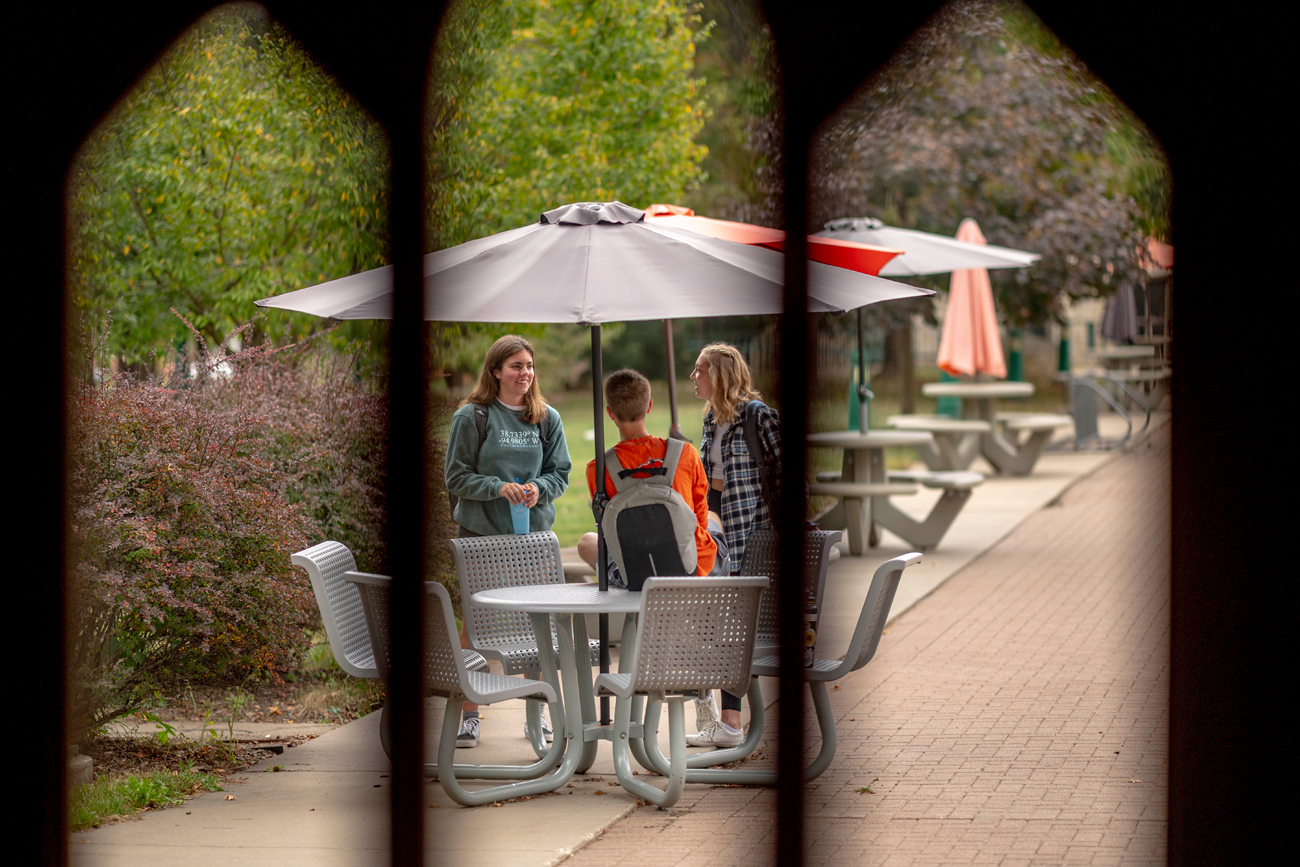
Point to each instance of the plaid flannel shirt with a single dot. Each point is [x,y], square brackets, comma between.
[743,507]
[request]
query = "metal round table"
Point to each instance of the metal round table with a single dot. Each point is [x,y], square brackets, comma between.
[979,401]
[562,601]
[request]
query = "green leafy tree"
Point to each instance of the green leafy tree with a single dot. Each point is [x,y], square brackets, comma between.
[738,63]
[236,169]
[983,113]
[536,103]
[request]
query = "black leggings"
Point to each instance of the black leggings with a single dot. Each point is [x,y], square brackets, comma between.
[729,701]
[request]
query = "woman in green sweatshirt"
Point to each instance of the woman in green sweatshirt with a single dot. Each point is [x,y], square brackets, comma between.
[520,457]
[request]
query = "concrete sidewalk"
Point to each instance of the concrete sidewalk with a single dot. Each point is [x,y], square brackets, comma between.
[920,719]
[1016,716]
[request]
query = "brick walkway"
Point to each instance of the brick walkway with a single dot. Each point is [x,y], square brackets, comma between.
[1016,716]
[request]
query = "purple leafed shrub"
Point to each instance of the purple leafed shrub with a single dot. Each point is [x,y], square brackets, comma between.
[188,494]
[190,491]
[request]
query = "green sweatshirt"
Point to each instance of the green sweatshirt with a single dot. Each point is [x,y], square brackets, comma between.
[513,449]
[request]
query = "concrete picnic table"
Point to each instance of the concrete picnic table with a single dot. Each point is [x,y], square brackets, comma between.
[956,440]
[864,488]
[1121,354]
[1002,446]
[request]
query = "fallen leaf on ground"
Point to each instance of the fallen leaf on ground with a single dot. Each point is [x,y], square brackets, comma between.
[230,797]
[1135,781]
[866,790]
[599,792]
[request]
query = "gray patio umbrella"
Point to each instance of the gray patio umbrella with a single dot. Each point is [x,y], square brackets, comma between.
[923,253]
[590,263]
[1120,323]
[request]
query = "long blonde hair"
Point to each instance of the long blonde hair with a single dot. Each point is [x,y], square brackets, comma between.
[489,387]
[729,375]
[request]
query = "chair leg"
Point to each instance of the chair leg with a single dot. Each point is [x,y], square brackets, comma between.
[740,776]
[533,723]
[451,785]
[637,745]
[548,762]
[676,769]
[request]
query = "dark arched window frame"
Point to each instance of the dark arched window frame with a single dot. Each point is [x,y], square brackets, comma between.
[1187,74]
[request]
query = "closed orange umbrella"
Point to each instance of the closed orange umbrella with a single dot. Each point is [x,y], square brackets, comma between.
[970,343]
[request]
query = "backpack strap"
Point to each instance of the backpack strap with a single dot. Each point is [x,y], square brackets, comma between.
[658,475]
[672,457]
[756,451]
[614,468]
[480,421]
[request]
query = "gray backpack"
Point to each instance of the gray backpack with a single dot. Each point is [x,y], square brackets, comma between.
[649,529]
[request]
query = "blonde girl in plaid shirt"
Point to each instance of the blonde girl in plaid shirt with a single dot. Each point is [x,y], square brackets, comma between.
[723,381]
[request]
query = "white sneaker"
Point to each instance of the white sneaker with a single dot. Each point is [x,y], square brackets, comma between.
[716,734]
[706,711]
[547,734]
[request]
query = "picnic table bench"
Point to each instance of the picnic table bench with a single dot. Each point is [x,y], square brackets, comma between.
[864,487]
[1011,448]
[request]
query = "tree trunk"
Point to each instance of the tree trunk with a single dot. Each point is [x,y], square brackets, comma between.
[900,359]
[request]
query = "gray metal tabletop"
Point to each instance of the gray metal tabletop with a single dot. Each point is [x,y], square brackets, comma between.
[874,439]
[978,389]
[939,424]
[560,599]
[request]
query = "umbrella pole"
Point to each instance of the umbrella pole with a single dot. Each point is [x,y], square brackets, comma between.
[598,503]
[864,370]
[674,429]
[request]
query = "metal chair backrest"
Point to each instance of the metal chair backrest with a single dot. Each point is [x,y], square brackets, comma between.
[875,610]
[761,559]
[696,634]
[490,562]
[340,606]
[444,665]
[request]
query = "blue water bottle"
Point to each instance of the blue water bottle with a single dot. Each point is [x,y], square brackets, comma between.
[519,515]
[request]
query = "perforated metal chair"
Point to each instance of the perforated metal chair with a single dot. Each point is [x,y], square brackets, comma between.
[761,559]
[490,562]
[341,612]
[692,634]
[446,675]
[862,647]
